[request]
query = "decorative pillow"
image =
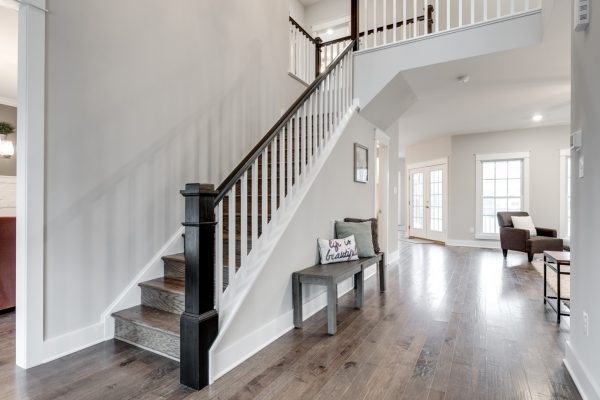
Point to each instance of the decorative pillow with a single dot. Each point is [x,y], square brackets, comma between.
[525,223]
[373,221]
[361,231]
[337,250]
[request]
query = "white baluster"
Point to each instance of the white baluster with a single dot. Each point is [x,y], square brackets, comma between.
[254,203]
[311,130]
[512,7]
[447,14]
[326,108]
[425,18]
[415,18]
[273,160]
[265,190]
[231,235]
[302,141]
[366,19]
[321,124]
[374,23]
[404,19]
[282,172]
[290,164]
[460,13]
[244,220]
[485,9]
[526,5]
[436,14]
[395,20]
[384,22]
[472,12]
[297,148]
[219,245]
[498,8]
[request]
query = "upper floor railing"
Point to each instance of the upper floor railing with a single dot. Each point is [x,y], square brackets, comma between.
[392,21]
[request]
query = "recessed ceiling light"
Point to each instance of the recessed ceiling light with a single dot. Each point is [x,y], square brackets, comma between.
[329,31]
[463,78]
[537,117]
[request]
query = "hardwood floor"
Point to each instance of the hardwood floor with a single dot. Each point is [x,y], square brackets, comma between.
[455,323]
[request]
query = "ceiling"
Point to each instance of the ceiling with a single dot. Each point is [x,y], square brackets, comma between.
[8,56]
[504,91]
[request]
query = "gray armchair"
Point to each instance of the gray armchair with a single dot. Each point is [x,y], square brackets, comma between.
[520,240]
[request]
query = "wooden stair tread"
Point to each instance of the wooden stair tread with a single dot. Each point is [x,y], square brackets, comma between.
[170,285]
[179,257]
[152,318]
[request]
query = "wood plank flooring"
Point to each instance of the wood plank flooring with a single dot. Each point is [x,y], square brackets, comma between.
[455,323]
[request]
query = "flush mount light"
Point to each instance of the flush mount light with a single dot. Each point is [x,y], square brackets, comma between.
[537,117]
[329,31]
[463,78]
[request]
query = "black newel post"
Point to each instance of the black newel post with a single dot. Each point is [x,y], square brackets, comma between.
[199,321]
[354,23]
[318,42]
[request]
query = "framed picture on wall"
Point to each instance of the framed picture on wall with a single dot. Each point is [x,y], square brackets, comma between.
[361,163]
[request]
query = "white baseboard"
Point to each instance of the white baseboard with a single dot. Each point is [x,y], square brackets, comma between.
[588,389]
[71,342]
[482,244]
[392,257]
[232,356]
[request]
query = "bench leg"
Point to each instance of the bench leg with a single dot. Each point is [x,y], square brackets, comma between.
[359,280]
[297,300]
[382,274]
[331,308]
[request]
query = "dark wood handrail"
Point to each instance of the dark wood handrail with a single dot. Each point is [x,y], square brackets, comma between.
[301,29]
[334,41]
[398,24]
[247,162]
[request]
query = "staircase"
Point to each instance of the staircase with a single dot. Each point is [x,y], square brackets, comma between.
[154,324]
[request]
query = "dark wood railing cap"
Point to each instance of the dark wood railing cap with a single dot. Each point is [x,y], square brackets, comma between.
[197,189]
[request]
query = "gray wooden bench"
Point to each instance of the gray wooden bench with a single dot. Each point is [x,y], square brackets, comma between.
[329,276]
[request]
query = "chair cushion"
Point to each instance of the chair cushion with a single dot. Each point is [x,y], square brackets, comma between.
[539,244]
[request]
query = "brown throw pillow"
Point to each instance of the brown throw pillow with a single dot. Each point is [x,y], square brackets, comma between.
[373,230]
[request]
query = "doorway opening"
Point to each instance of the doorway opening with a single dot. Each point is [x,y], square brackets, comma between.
[381,202]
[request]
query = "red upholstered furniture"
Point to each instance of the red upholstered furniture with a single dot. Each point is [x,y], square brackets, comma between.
[8,244]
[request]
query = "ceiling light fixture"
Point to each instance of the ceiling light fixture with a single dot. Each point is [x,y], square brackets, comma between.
[329,31]
[463,78]
[537,117]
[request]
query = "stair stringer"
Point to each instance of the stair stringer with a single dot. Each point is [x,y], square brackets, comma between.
[258,257]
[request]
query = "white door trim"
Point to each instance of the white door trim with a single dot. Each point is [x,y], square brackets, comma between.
[384,180]
[30,184]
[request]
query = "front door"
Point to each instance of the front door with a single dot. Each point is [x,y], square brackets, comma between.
[427,202]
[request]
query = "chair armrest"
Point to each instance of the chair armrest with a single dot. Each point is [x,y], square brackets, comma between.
[546,232]
[514,239]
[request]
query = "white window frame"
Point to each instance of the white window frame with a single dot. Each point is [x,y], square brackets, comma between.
[564,216]
[479,158]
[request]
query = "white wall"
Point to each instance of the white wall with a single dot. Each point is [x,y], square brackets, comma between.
[143,97]
[543,144]
[583,350]
[326,11]
[297,12]
[268,309]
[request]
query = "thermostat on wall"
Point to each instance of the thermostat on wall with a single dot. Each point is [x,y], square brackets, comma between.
[576,140]
[581,14]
